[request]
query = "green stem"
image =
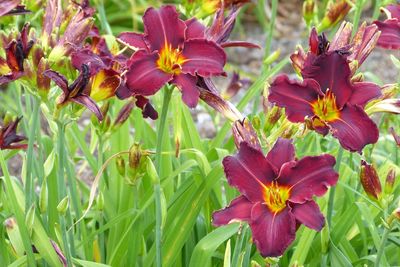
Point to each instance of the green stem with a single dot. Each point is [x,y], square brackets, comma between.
[103,17]
[377,5]
[157,189]
[17,211]
[382,247]
[333,189]
[61,187]
[29,190]
[274,10]
[357,15]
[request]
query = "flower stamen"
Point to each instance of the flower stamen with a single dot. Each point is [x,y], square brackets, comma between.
[170,60]
[326,108]
[275,196]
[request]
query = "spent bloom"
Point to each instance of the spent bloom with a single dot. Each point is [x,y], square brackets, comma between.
[276,193]
[17,50]
[9,139]
[12,7]
[327,98]
[390,28]
[76,91]
[167,53]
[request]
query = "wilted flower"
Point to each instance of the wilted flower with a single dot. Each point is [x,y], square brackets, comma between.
[234,86]
[328,97]
[370,181]
[243,131]
[390,28]
[77,91]
[12,7]
[17,51]
[276,193]
[168,54]
[9,139]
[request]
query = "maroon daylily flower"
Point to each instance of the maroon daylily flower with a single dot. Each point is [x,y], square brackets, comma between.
[327,97]
[167,54]
[76,92]
[390,28]
[9,139]
[17,51]
[276,193]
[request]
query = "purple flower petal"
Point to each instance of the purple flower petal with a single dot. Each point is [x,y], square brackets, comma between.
[390,33]
[240,44]
[163,27]
[86,56]
[58,79]
[249,171]
[239,209]
[195,29]
[294,96]
[283,151]
[203,57]
[394,10]
[309,214]
[133,39]
[332,72]
[354,129]
[308,177]
[144,77]
[364,92]
[272,232]
[187,84]
[86,101]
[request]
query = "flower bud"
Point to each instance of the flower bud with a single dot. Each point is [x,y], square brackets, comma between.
[63,205]
[30,218]
[390,179]
[272,57]
[395,136]
[308,11]
[120,162]
[123,114]
[135,155]
[100,201]
[243,131]
[14,236]
[274,115]
[370,181]
[389,90]
[335,11]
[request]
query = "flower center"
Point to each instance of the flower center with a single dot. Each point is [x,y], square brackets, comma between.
[170,60]
[326,108]
[275,197]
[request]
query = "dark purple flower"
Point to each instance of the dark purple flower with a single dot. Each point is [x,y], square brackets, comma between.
[167,55]
[276,193]
[17,51]
[327,97]
[390,28]
[9,139]
[76,92]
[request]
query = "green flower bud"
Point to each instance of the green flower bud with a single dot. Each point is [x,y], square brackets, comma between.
[63,205]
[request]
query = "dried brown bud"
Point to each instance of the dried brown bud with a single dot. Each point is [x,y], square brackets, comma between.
[135,155]
[370,181]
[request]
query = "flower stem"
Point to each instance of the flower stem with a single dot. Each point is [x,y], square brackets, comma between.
[381,248]
[29,190]
[17,211]
[157,189]
[61,187]
[333,189]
